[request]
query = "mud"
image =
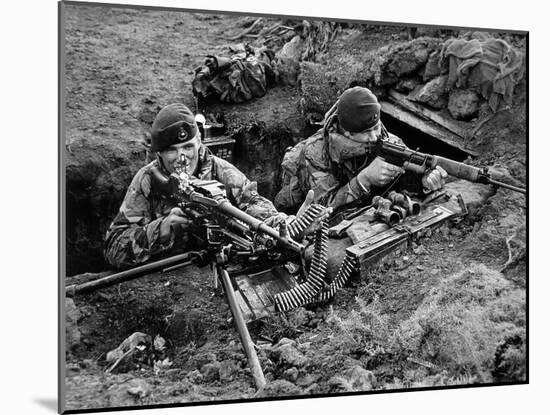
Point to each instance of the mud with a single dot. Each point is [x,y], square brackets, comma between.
[449,310]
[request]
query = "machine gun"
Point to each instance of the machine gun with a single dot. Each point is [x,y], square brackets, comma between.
[420,162]
[206,203]
[229,234]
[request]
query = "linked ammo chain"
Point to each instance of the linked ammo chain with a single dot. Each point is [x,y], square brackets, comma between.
[297,227]
[314,289]
[349,264]
[303,293]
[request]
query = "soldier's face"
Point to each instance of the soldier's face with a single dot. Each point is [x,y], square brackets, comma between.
[367,136]
[188,151]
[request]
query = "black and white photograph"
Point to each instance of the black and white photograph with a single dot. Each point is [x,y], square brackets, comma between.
[259,207]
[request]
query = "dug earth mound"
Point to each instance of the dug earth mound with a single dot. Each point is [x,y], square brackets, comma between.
[449,310]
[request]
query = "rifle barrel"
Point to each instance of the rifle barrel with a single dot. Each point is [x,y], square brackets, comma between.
[508,186]
[421,162]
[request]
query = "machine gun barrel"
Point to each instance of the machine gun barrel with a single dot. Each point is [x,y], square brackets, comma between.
[421,162]
[225,207]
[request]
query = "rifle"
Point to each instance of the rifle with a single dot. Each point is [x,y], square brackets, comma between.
[230,234]
[420,162]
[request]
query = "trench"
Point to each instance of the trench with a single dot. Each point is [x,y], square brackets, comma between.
[419,140]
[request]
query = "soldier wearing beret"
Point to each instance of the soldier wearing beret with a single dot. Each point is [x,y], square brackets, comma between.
[334,162]
[147,224]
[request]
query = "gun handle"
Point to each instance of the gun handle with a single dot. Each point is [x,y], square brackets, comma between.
[416,168]
[457,169]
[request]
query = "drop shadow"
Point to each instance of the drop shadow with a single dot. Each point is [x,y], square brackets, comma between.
[48,403]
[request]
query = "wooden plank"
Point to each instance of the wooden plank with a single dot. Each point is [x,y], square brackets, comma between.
[249,293]
[258,290]
[427,126]
[248,314]
[427,114]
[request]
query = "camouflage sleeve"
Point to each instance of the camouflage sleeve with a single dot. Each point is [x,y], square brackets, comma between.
[327,189]
[243,191]
[134,236]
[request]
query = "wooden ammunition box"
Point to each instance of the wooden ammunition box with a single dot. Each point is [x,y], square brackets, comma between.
[221,146]
[255,292]
[370,250]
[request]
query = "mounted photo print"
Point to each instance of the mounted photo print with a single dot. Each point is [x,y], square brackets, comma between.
[257,207]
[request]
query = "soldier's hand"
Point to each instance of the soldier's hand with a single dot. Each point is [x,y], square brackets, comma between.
[307,202]
[378,173]
[276,220]
[316,224]
[434,179]
[176,220]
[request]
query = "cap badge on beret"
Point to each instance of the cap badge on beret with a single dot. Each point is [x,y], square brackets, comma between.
[182,136]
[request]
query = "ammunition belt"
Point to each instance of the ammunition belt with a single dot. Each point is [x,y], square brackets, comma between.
[303,293]
[297,227]
[349,264]
[314,289]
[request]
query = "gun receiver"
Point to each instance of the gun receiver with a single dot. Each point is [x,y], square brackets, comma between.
[420,162]
[210,195]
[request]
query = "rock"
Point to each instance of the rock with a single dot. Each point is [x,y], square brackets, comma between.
[313,389]
[200,359]
[287,61]
[72,315]
[304,347]
[473,194]
[292,49]
[135,340]
[406,85]
[278,388]
[387,65]
[228,370]
[134,350]
[195,376]
[211,371]
[286,353]
[432,69]
[299,316]
[307,380]
[338,384]
[432,94]
[284,341]
[72,367]
[291,374]
[463,104]
[360,378]
[131,392]
[419,250]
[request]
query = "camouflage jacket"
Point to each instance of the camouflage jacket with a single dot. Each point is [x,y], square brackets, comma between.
[308,166]
[134,234]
